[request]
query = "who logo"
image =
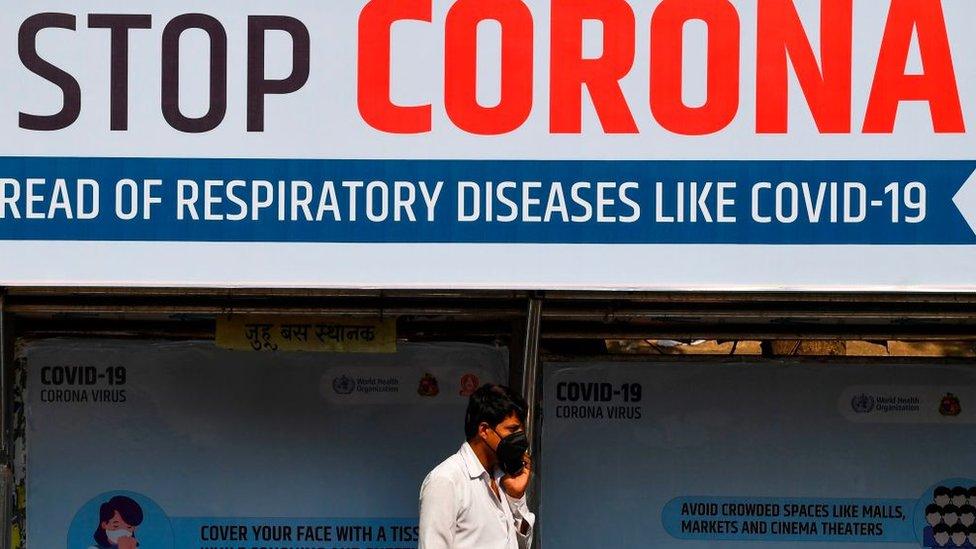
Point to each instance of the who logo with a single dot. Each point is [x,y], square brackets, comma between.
[343,385]
[862,403]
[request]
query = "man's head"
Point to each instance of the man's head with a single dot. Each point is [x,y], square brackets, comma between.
[950,515]
[941,534]
[958,535]
[958,496]
[494,412]
[967,515]
[941,496]
[933,514]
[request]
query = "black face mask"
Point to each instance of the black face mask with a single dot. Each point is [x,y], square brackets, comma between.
[510,452]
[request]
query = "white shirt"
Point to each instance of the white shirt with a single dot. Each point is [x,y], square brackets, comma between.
[458,509]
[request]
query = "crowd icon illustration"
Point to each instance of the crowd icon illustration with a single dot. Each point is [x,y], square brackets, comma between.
[951,518]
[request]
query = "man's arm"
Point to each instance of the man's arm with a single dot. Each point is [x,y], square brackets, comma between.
[515,488]
[524,521]
[438,514]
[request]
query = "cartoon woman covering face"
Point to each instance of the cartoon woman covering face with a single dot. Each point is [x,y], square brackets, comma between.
[118,519]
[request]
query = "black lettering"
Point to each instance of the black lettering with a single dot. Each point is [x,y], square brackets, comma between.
[171,73]
[119,24]
[27,48]
[257,85]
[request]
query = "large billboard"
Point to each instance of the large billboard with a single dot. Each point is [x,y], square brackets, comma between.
[199,447]
[608,144]
[774,455]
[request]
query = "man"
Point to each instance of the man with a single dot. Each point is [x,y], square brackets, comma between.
[933,518]
[958,535]
[476,498]
[941,535]
[941,496]
[958,496]
[967,515]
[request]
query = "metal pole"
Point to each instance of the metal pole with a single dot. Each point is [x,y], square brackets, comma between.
[6,443]
[531,377]
[530,363]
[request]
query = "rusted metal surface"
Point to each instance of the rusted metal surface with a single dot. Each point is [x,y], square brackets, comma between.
[565,315]
[6,446]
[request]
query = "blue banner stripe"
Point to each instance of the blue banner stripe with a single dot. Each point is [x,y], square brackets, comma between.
[881,207]
[791,519]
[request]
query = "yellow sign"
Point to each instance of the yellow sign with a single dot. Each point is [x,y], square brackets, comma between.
[277,333]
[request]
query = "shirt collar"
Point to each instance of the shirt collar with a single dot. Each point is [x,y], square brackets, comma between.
[471,462]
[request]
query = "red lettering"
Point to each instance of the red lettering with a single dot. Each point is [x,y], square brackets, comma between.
[375,106]
[828,93]
[936,84]
[461,66]
[667,30]
[569,71]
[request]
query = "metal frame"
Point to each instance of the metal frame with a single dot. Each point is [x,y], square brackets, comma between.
[526,318]
[567,315]
[6,365]
[531,383]
[6,412]
[530,363]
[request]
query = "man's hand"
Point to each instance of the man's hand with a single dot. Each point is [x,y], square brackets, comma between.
[515,486]
[127,543]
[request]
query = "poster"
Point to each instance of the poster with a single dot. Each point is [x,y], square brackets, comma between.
[761,455]
[203,448]
[816,145]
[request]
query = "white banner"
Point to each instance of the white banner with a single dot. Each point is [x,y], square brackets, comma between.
[601,144]
[779,455]
[222,448]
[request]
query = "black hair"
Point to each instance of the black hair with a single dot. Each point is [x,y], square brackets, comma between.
[958,491]
[939,528]
[957,528]
[128,509]
[491,404]
[933,508]
[950,509]
[972,491]
[967,509]
[941,491]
